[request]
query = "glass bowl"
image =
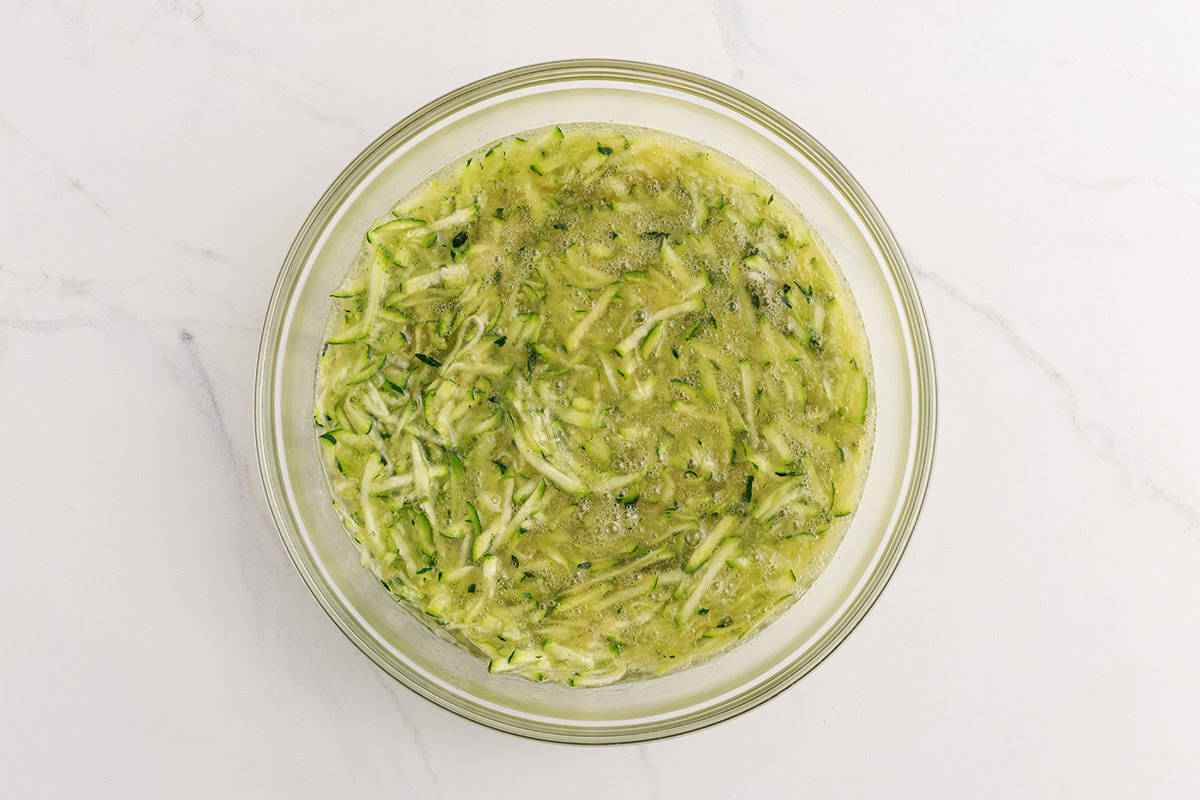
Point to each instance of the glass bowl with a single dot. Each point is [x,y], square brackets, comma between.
[627,93]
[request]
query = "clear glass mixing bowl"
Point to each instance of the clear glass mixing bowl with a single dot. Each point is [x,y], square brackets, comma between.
[623,93]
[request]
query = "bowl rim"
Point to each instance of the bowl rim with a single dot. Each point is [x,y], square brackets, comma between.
[793,135]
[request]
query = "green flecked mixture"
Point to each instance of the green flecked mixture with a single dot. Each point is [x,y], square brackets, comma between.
[596,401]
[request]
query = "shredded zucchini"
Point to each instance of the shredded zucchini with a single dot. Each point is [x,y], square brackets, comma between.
[596,401]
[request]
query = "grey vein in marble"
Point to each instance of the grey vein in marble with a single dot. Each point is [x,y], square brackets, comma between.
[206,253]
[248,503]
[211,408]
[1130,77]
[72,182]
[1127,182]
[735,36]
[1104,450]
[54,325]
[77,186]
[208,395]
[422,747]
[193,12]
[108,314]
[653,785]
[46,325]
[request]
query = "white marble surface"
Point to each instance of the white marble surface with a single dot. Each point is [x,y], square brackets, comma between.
[1041,167]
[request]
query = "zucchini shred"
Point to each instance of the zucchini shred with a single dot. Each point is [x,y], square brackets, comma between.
[596,402]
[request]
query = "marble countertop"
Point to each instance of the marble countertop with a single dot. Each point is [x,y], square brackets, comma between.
[1040,165]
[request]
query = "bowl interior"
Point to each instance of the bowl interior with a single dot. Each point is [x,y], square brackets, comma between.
[430,662]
